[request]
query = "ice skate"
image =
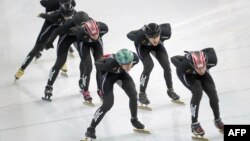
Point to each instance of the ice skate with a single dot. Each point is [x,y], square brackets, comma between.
[47,93]
[175,97]
[198,132]
[87,98]
[199,138]
[139,127]
[71,52]
[220,125]
[19,73]
[144,102]
[89,135]
[64,70]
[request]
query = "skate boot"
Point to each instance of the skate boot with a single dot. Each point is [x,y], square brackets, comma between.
[19,73]
[86,96]
[143,99]
[38,55]
[64,70]
[90,133]
[139,127]
[48,93]
[100,94]
[197,129]
[219,124]
[174,96]
[136,123]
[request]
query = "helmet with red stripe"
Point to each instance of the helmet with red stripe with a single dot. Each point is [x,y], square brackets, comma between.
[91,27]
[199,59]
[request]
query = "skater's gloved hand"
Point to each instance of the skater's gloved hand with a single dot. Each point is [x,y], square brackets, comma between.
[42,15]
[48,45]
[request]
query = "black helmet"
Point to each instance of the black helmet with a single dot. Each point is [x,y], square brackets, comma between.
[152,30]
[66,5]
[80,17]
[64,1]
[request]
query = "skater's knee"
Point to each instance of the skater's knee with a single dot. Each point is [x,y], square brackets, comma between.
[214,99]
[197,93]
[167,68]
[133,96]
[106,107]
[148,68]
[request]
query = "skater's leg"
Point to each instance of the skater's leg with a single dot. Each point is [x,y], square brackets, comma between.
[209,88]
[190,82]
[108,100]
[129,87]
[31,55]
[196,89]
[62,51]
[148,65]
[43,35]
[86,67]
[61,59]
[98,54]
[161,55]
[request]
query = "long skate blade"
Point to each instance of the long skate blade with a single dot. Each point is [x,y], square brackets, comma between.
[221,131]
[64,74]
[88,103]
[199,138]
[178,102]
[142,131]
[144,107]
[46,99]
[71,55]
[86,139]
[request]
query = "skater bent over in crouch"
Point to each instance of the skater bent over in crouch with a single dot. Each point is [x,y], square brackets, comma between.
[47,28]
[88,35]
[115,69]
[149,39]
[89,42]
[192,70]
[66,38]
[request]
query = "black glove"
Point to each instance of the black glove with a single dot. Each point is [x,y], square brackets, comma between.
[48,45]
[42,15]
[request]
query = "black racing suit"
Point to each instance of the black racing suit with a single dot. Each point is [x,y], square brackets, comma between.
[144,48]
[47,29]
[72,32]
[113,73]
[198,83]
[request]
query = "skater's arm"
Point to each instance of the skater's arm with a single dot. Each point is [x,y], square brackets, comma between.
[165,31]
[52,17]
[135,60]
[132,35]
[50,4]
[182,64]
[80,17]
[211,57]
[103,28]
[61,30]
[108,65]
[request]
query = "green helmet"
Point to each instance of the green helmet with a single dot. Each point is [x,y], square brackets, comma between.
[124,56]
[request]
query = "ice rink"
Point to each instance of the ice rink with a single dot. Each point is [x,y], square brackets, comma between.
[196,24]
